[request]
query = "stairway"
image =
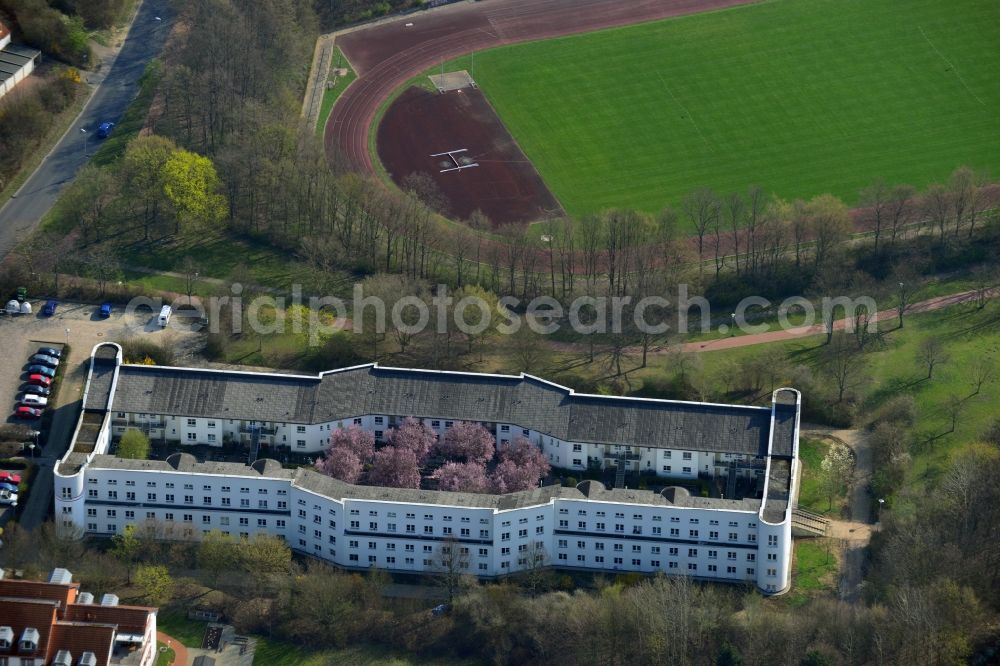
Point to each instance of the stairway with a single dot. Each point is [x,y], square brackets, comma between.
[807,523]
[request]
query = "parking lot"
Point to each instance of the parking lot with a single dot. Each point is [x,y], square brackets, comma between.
[81,326]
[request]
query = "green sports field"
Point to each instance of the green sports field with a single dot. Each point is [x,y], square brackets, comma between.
[802,97]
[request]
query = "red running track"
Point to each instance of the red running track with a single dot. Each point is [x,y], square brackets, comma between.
[388,54]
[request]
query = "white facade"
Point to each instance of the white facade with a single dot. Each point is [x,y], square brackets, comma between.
[589,528]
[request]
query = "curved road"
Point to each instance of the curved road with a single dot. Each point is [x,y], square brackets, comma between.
[389,53]
[21,214]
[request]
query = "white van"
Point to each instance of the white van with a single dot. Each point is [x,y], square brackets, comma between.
[165,313]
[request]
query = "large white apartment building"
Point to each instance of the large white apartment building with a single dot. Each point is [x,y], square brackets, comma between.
[742,536]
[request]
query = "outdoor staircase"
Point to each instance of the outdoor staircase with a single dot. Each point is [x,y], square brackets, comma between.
[731,481]
[620,470]
[807,523]
[254,445]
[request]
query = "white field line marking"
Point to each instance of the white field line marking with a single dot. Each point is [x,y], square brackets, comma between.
[686,112]
[952,66]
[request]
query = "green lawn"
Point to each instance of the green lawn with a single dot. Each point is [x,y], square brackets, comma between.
[330,95]
[815,571]
[800,97]
[165,658]
[967,334]
[812,495]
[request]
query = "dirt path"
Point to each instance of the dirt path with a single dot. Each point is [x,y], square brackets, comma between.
[841,324]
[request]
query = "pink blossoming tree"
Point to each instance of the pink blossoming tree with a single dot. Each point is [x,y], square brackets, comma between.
[522,466]
[360,442]
[340,463]
[395,467]
[468,442]
[414,436]
[466,477]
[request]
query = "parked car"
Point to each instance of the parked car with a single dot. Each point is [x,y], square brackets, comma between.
[10,477]
[25,412]
[42,359]
[31,389]
[50,351]
[36,369]
[9,487]
[49,308]
[441,610]
[8,498]
[34,400]
[40,380]
[104,129]
[105,310]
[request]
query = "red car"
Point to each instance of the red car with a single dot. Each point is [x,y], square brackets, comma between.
[10,477]
[39,380]
[28,413]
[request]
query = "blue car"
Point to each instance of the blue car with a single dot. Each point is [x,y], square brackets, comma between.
[41,370]
[105,310]
[10,487]
[104,129]
[49,308]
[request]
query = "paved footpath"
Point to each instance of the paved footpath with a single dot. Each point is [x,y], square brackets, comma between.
[180,652]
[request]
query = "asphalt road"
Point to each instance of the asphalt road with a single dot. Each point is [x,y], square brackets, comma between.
[114,93]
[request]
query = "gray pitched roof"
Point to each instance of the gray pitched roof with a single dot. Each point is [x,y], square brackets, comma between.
[524,401]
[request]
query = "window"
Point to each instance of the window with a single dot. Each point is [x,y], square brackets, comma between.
[713,535]
[772,572]
[733,536]
[505,428]
[687,470]
[750,571]
[599,545]
[772,540]
[674,532]
[730,570]
[712,554]
[92,492]
[192,422]
[189,499]
[731,555]
[225,501]
[262,522]
[692,552]
[686,455]
[192,436]
[169,497]
[712,568]
[582,524]
[751,557]
[211,436]
[693,534]
[618,547]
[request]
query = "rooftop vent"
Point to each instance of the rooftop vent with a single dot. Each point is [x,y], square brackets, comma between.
[61,577]
[85,598]
[109,600]
[87,659]
[63,658]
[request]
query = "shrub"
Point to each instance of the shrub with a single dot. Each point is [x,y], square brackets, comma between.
[137,350]
[133,444]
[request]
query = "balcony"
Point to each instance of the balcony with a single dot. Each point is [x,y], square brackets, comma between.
[250,430]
